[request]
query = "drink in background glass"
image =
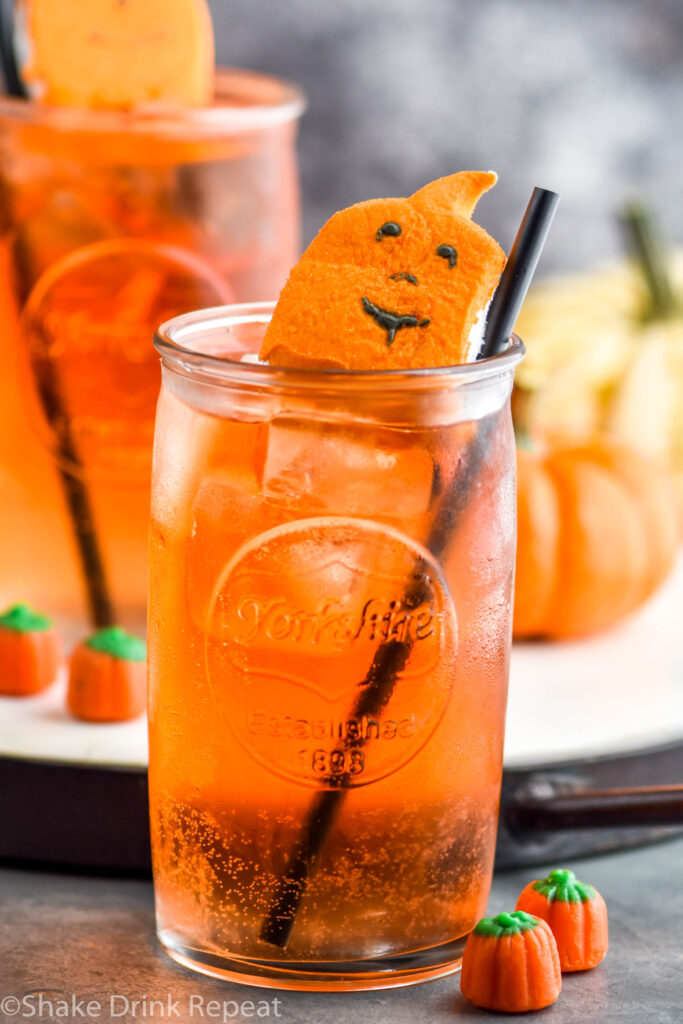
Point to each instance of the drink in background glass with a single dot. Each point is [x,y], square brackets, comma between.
[110,222]
[329,632]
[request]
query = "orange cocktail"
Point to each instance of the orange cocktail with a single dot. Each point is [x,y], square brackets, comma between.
[330,615]
[110,222]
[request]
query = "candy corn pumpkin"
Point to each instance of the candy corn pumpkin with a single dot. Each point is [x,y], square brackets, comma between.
[576,914]
[510,963]
[391,284]
[107,677]
[30,651]
[597,534]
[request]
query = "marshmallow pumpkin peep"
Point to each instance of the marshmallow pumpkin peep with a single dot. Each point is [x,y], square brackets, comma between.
[119,54]
[391,284]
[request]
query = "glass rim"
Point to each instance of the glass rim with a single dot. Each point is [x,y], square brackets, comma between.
[286,103]
[191,361]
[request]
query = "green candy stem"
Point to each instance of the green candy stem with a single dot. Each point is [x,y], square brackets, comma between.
[562,885]
[117,643]
[506,924]
[23,619]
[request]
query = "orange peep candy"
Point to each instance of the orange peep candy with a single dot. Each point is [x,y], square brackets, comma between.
[119,54]
[390,283]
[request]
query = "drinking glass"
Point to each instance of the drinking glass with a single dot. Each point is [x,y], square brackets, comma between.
[109,223]
[332,559]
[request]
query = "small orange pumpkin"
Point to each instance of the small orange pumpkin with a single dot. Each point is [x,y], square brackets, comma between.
[30,651]
[108,677]
[597,534]
[510,963]
[576,914]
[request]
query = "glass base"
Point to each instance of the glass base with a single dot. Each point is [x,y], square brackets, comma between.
[325,976]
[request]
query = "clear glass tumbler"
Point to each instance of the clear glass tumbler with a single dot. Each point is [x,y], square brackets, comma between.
[109,223]
[332,559]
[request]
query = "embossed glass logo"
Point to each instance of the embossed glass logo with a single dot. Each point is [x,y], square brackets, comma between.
[90,373]
[331,649]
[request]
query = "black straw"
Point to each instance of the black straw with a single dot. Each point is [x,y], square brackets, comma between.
[69,464]
[390,658]
[375,692]
[519,270]
[77,496]
[8,59]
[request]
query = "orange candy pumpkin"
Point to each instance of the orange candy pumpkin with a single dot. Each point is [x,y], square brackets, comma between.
[30,652]
[576,914]
[510,963]
[108,677]
[390,283]
[597,534]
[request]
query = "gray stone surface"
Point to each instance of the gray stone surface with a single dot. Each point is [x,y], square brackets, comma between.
[90,938]
[575,95]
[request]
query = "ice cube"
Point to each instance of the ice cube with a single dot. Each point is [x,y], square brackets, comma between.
[227,512]
[190,445]
[183,440]
[315,468]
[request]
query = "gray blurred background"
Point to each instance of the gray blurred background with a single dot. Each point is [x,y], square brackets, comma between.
[582,96]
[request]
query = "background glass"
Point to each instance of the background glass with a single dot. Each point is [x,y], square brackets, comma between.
[109,223]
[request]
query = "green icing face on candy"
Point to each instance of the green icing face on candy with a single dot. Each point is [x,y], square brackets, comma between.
[563,886]
[23,619]
[506,924]
[117,643]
